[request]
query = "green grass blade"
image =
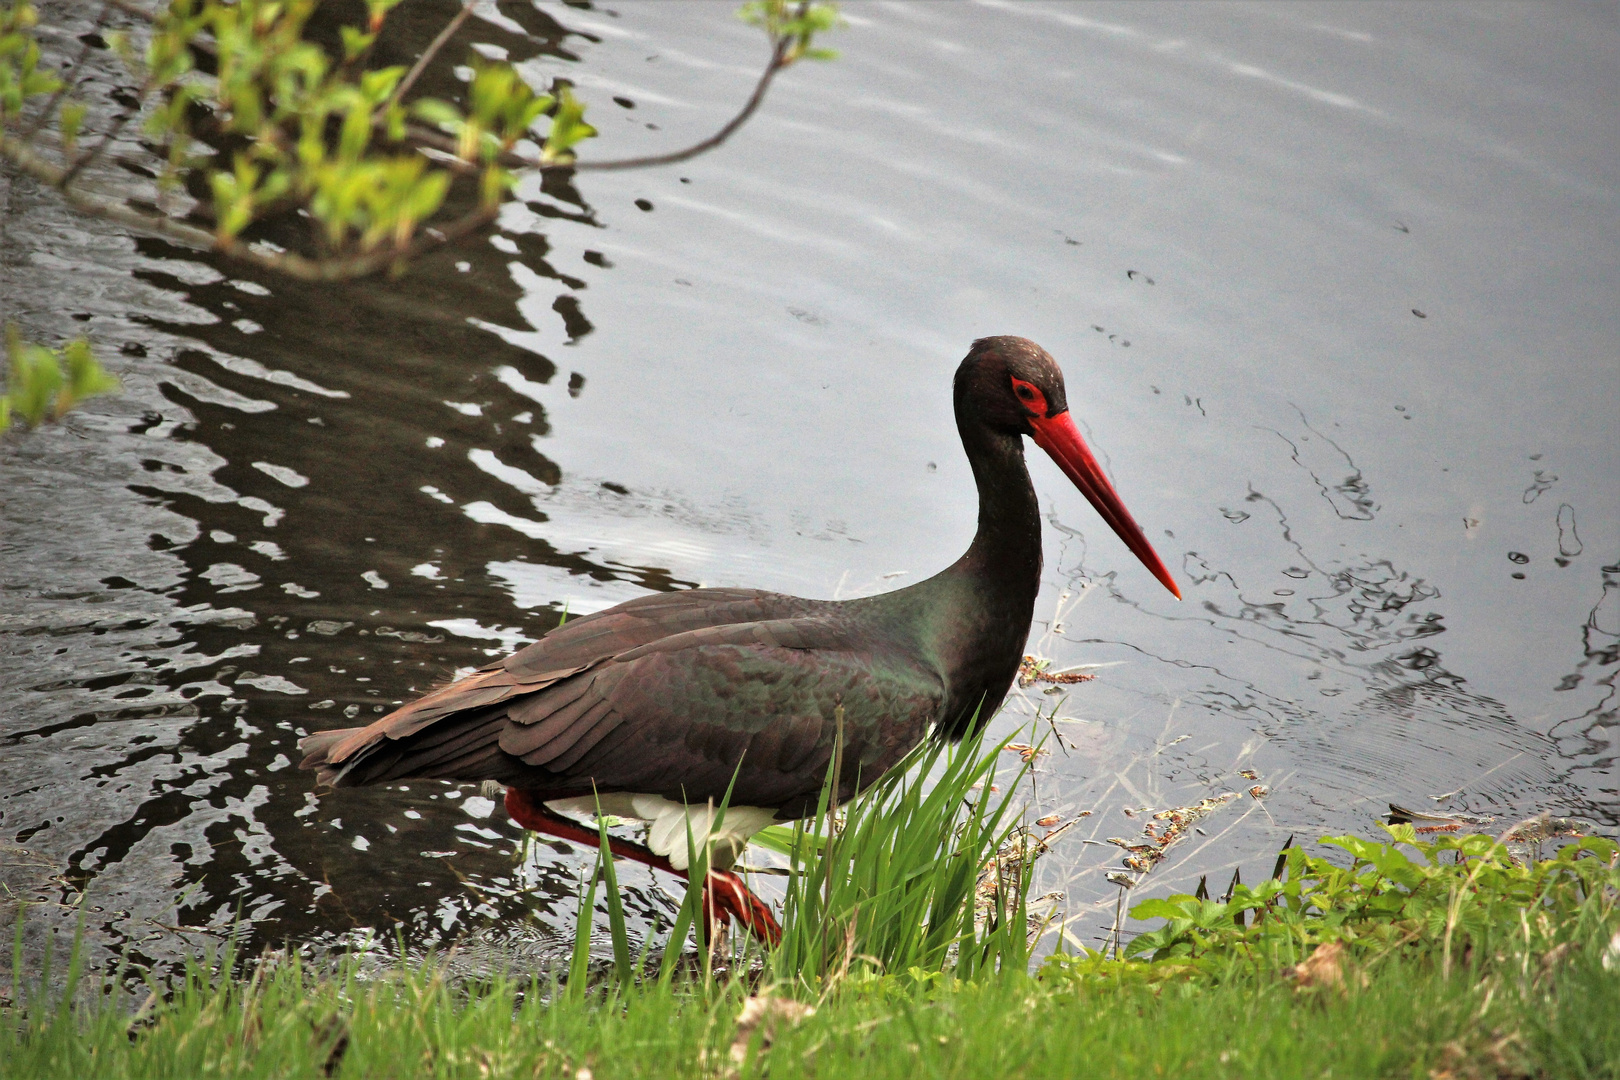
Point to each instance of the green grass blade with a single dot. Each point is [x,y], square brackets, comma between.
[615,905]
[579,964]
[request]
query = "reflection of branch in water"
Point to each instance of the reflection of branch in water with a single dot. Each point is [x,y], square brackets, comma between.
[1569,542]
[1588,737]
[1375,594]
[1542,483]
[1352,490]
[1367,621]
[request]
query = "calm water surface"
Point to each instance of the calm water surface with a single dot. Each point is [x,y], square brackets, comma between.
[1332,285]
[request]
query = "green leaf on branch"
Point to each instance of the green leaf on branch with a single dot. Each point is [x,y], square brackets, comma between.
[239,103]
[438,113]
[377,10]
[794,23]
[500,102]
[21,77]
[355,43]
[71,122]
[568,127]
[38,389]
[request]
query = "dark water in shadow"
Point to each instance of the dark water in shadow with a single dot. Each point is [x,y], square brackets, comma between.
[1331,284]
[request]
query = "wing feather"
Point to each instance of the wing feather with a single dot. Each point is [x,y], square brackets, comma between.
[607,721]
[678,695]
[541,718]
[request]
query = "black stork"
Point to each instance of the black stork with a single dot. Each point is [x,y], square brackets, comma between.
[654,708]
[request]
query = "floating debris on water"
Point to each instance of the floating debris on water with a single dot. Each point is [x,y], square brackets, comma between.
[1259,791]
[1400,815]
[1000,876]
[1545,827]
[1034,669]
[1165,829]
[1025,752]
[1249,774]
[1132,845]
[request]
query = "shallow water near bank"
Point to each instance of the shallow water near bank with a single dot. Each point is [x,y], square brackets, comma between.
[1330,285]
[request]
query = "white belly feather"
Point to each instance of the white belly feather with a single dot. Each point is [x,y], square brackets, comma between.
[669,824]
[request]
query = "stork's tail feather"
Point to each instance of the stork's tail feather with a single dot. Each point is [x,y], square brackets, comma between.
[316,747]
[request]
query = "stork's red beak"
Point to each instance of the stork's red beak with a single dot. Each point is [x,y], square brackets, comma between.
[1058,436]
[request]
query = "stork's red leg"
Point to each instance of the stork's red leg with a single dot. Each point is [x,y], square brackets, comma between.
[724,893]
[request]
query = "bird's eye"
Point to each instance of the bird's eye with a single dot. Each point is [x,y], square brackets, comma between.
[1030,395]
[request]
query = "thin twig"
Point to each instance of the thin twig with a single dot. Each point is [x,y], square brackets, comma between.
[113,131]
[424,136]
[427,56]
[68,87]
[778,62]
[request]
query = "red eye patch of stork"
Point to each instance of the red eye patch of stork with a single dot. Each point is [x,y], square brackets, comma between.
[1030,396]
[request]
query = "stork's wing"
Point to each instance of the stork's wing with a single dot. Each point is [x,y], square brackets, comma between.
[661,697]
[571,648]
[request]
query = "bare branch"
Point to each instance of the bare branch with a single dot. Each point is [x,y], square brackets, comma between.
[778,62]
[84,159]
[19,154]
[423,136]
[427,57]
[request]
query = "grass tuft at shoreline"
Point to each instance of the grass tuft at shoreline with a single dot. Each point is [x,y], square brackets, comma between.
[905,955]
[1551,1015]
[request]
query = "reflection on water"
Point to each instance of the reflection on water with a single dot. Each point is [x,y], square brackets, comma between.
[1397,530]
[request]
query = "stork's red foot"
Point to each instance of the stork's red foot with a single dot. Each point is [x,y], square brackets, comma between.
[725,895]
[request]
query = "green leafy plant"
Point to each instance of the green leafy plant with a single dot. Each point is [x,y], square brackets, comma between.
[1460,893]
[44,383]
[259,120]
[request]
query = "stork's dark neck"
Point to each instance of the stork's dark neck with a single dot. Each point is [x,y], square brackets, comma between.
[971,620]
[1005,556]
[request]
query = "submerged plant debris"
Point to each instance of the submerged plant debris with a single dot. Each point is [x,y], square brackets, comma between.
[1163,830]
[1027,753]
[1400,815]
[1011,869]
[1036,669]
